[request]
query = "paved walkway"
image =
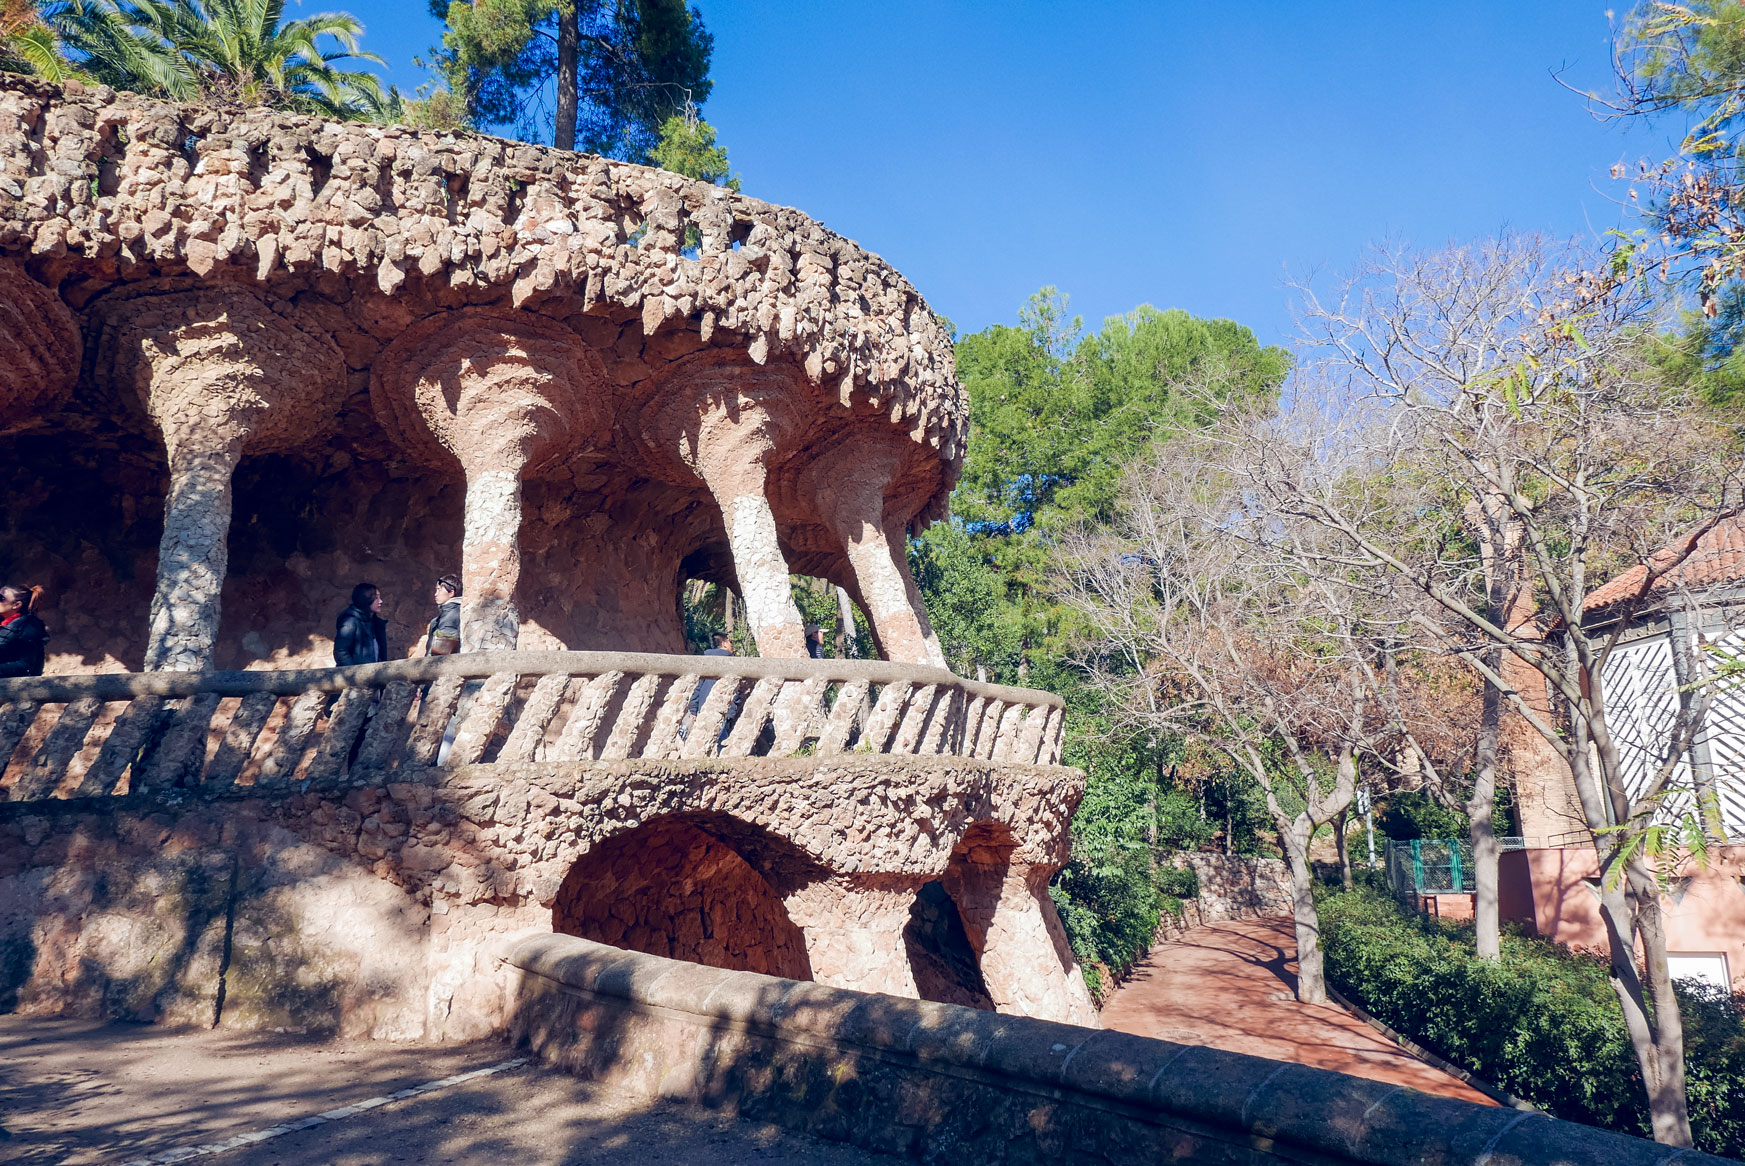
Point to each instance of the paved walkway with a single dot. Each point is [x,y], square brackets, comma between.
[1232,986]
[78,1092]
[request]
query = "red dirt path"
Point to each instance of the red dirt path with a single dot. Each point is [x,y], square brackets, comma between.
[1232,986]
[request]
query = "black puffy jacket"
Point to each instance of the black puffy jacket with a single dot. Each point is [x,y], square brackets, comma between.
[359,637]
[23,643]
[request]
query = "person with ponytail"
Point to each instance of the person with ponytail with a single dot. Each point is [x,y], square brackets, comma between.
[23,639]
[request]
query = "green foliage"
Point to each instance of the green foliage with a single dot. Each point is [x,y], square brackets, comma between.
[1111,899]
[1411,814]
[222,50]
[1055,418]
[687,146]
[1542,1023]
[638,63]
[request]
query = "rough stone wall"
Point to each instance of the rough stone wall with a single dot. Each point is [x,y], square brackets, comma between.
[1231,887]
[1234,886]
[380,909]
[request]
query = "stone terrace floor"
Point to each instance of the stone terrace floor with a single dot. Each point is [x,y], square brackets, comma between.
[80,1092]
[1232,986]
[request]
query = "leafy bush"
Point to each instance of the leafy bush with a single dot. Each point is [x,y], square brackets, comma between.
[1542,1022]
[1110,903]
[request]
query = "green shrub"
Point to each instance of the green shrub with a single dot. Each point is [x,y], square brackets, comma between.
[1110,902]
[1542,1022]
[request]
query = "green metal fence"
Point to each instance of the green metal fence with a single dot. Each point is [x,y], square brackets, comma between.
[1434,866]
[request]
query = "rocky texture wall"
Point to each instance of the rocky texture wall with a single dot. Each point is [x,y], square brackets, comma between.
[940,1083]
[380,909]
[511,365]
[1232,886]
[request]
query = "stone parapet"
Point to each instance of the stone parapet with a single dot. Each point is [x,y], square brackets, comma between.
[940,1082]
[67,736]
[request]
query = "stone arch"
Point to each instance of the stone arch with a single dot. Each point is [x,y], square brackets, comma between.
[698,887]
[40,348]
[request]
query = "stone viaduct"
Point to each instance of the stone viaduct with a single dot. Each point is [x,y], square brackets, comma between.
[248,359]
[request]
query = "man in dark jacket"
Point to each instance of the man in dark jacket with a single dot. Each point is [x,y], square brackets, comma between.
[23,639]
[360,635]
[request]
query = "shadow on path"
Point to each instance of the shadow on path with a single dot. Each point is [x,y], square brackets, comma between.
[1233,985]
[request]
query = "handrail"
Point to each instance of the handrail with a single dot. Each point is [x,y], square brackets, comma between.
[109,733]
[110,686]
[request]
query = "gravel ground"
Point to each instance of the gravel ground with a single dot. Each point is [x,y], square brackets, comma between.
[77,1092]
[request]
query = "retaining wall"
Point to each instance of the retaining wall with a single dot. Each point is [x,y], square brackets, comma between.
[1232,886]
[940,1082]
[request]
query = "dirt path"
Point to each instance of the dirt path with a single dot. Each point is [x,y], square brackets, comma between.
[78,1092]
[1231,986]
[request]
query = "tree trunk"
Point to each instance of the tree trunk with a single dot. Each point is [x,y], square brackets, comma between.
[1311,977]
[1630,910]
[568,42]
[1343,848]
[1479,809]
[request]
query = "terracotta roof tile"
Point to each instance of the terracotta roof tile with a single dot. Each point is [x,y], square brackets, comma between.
[1719,557]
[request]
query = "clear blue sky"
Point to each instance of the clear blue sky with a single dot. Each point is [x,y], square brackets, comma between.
[1179,154]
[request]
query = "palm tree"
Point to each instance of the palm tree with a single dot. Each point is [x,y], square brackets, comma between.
[239,51]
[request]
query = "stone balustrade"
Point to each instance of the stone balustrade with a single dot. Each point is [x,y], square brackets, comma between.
[96,735]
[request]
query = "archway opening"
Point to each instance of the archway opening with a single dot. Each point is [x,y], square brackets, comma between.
[690,888]
[941,958]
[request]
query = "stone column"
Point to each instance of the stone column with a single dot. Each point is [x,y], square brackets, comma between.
[222,372]
[854,931]
[1026,963]
[193,554]
[504,394]
[848,488]
[733,444]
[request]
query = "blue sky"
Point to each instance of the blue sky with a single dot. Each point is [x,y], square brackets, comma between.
[1180,154]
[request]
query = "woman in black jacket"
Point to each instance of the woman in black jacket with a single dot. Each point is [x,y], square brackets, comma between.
[23,639]
[360,635]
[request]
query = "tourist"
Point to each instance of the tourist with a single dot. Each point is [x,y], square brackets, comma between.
[815,642]
[723,646]
[23,639]
[444,635]
[360,635]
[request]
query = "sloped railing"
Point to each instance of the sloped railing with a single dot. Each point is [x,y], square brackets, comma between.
[95,735]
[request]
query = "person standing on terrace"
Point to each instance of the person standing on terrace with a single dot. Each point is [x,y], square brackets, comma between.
[360,635]
[23,638]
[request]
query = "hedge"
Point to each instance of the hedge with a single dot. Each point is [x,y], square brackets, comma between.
[1542,1022]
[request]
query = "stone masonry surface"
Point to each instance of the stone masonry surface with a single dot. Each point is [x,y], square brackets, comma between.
[943,1083]
[375,909]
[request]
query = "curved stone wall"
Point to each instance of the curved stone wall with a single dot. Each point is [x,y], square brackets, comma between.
[573,381]
[381,908]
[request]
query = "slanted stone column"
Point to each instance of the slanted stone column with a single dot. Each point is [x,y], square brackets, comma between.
[848,485]
[854,931]
[222,371]
[1026,962]
[504,394]
[40,350]
[733,444]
